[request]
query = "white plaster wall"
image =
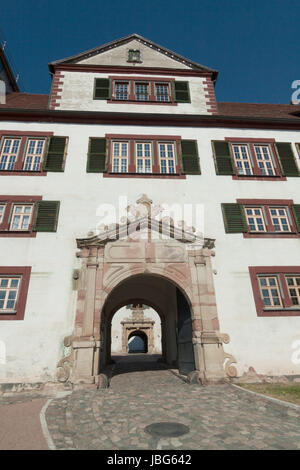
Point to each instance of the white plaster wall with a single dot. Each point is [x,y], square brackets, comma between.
[35,345]
[78,89]
[119,55]
[116,329]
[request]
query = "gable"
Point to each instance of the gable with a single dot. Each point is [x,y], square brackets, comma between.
[150,57]
[115,53]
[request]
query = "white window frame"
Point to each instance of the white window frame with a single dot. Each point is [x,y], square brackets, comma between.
[123,82]
[34,155]
[295,287]
[9,164]
[242,160]
[255,217]
[2,212]
[277,286]
[22,215]
[9,289]
[287,217]
[166,158]
[148,89]
[271,160]
[119,158]
[166,84]
[144,158]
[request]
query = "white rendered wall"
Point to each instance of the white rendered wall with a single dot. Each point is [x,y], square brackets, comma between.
[116,329]
[34,345]
[78,89]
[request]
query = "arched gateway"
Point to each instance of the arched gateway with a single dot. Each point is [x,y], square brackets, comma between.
[171,272]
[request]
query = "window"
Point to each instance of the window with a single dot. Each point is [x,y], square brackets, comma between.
[122,90]
[167,157]
[279,217]
[162,92]
[293,283]
[134,55]
[143,157]
[276,290]
[270,292]
[141,91]
[9,154]
[263,218]
[242,159]
[14,283]
[21,217]
[30,154]
[2,209]
[255,219]
[33,154]
[120,157]
[250,159]
[264,160]
[9,288]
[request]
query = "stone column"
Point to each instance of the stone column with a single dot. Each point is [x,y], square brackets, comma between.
[85,345]
[209,353]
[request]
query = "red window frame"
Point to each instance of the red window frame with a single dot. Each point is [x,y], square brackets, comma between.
[279,271]
[24,136]
[24,272]
[9,202]
[250,142]
[270,233]
[152,96]
[132,171]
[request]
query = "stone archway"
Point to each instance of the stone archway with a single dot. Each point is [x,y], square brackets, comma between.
[114,256]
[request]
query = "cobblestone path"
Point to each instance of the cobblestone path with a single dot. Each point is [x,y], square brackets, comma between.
[143,392]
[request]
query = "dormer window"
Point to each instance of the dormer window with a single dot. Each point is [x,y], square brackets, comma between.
[134,55]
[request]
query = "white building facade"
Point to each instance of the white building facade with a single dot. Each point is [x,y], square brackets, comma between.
[131,123]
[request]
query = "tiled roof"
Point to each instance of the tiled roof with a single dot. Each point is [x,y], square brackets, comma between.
[25,101]
[244,110]
[259,110]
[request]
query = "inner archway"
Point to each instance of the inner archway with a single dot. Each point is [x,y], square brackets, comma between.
[137,342]
[171,304]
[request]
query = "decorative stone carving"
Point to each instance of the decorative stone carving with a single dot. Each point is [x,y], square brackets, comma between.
[65,364]
[229,359]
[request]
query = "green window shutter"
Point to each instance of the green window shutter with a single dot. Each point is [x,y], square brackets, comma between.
[296,214]
[46,216]
[287,159]
[102,89]
[189,157]
[234,218]
[96,161]
[222,156]
[181,92]
[55,158]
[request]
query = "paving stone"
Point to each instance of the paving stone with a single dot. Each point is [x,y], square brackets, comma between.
[143,392]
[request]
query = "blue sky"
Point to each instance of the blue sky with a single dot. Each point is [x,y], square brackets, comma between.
[254,44]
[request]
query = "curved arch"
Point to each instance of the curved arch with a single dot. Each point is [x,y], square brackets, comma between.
[186,291]
[140,334]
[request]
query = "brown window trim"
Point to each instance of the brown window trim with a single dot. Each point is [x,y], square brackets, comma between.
[24,272]
[270,229]
[152,100]
[155,163]
[281,271]
[9,201]
[18,169]
[256,175]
